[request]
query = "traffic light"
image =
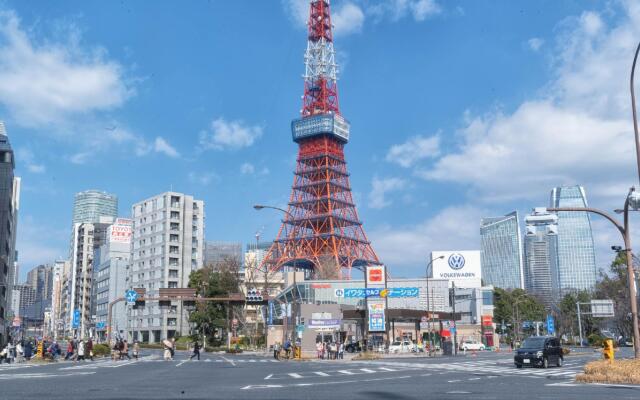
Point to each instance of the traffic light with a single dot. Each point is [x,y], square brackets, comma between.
[254,296]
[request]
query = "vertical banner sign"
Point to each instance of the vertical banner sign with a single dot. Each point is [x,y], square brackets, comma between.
[376,317]
[76,319]
[551,328]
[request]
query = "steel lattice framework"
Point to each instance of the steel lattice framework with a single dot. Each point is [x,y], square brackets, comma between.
[321,230]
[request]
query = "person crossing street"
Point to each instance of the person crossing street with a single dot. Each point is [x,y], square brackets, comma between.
[196,351]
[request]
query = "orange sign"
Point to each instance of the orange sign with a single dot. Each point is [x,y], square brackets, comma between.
[375,275]
[487,320]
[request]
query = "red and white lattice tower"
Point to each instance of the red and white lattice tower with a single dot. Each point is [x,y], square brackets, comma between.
[321,230]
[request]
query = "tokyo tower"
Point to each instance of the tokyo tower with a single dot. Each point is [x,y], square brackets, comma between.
[321,230]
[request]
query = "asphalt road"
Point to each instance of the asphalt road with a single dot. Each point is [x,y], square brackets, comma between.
[219,376]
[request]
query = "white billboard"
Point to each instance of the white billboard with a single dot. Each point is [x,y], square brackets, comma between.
[120,231]
[460,267]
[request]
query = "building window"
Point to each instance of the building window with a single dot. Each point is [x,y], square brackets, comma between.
[173,273]
[173,285]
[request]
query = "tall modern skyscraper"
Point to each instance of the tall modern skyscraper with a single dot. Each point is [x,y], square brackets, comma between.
[166,246]
[576,254]
[541,255]
[92,205]
[501,251]
[9,205]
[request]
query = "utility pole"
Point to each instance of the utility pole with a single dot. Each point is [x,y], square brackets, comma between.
[455,324]
[579,323]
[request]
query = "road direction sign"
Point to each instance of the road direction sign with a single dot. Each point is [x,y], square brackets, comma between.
[551,328]
[131,296]
[75,323]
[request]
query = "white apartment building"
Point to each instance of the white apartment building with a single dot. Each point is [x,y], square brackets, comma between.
[61,270]
[167,245]
[86,238]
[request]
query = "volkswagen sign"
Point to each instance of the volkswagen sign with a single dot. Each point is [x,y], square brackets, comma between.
[461,268]
[456,261]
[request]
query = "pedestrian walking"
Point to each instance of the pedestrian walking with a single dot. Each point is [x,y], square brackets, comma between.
[173,347]
[319,350]
[3,355]
[196,351]
[28,350]
[136,349]
[125,349]
[287,348]
[69,350]
[81,350]
[341,351]
[276,350]
[167,349]
[89,348]
[11,353]
[19,352]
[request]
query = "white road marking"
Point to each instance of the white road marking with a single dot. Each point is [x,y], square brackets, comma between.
[229,361]
[43,375]
[268,376]
[367,370]
[180,363]
[346,372]
[249,387]
[294,375]
[321,373]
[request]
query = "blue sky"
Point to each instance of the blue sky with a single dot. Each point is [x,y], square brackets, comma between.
[458,110]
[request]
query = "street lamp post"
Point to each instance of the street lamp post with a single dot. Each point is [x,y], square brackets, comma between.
[294,294]
[626,236]
[429,310]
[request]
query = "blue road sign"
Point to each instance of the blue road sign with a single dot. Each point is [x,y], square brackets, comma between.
[75,323]
[101,325]
[551,328]
[131,296]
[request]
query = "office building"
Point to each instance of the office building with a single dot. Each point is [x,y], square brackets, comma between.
[541,255]
[576,254]
[61,269]
[502,252]
[167,245]
[111,275]
[93,205]
[41,280]
[9,205]
[217,253]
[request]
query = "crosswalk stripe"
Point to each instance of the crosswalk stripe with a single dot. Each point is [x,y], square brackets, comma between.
[367,370]
[345,371]
[294,375]
[387,369]
[321,373]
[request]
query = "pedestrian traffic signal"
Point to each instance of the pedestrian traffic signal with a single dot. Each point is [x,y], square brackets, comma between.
[254,296]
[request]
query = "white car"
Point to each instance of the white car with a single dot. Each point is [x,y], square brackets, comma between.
[400,347]
[471,345]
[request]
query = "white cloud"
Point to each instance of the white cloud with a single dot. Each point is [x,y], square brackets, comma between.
[161,146]
[380,188]
[535,43]
[203,179]
[250,169]
[413,150]
[578,130]
[229,135]
[43,83]
[406,248]
[346,17]
[26,156]
[398,9]
[247,168]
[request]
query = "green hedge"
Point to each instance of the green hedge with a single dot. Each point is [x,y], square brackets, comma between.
[100,350]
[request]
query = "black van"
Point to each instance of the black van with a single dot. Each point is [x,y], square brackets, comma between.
[539,351]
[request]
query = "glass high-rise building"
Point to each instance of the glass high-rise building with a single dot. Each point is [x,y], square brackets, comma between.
[501,251]
[576,253]
[89,206]
[541,255]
